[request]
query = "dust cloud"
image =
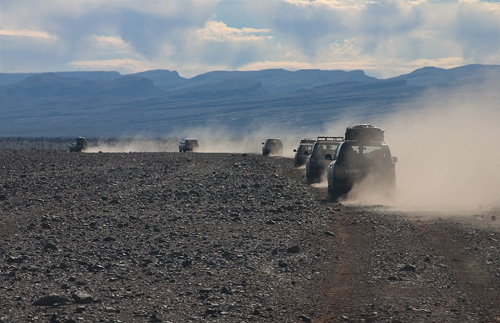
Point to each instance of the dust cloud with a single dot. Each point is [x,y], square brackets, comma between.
[132,145]
[448,153]
[447,144]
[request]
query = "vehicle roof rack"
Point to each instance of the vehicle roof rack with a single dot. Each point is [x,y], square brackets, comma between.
[330,138]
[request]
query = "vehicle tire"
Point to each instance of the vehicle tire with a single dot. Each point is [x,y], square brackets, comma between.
[310,179]
[334,194]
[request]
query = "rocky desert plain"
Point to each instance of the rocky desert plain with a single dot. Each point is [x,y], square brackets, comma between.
[226,237]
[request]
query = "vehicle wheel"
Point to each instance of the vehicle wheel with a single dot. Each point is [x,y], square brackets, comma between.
[334,194]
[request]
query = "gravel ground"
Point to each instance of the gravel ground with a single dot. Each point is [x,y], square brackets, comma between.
[169,237]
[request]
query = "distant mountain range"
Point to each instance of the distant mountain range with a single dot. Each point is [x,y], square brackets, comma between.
[162,103]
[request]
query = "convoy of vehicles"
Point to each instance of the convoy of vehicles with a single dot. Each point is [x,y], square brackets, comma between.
[188,144]
[320,156]
[79,145]
[361,156]
[365,158]
[302,152]
[272,146]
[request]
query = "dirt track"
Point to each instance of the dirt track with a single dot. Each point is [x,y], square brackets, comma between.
[168,237]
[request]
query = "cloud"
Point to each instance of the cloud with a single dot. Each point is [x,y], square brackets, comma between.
[220,32]
[385,38]
[334,4]
[125,65]
[110,44]
[28,33]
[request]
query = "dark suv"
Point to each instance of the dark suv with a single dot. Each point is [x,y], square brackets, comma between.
[364,158]
[303,151]
[79,145]
[188,144]
[320,156]
[272,146]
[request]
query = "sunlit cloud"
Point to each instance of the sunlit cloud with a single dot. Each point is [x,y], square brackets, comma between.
[28,33]
[220,32]
[125,65]
[335,4]
[110,43]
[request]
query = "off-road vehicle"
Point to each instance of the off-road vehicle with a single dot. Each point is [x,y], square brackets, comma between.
[79,145]
[188,144]
[320,156]
[363,158]
[272,146]
[302,152]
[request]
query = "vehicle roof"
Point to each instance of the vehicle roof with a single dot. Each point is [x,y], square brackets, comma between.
[328,142]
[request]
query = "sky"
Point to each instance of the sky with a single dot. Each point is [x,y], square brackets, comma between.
[384,38]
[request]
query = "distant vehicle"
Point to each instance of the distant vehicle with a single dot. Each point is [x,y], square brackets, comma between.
[302,152]
[79,145]
[272,146]
[188,144]
[362,156]
[320,156]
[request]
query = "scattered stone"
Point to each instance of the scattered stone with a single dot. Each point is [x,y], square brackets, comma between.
[305,318]
[294,249]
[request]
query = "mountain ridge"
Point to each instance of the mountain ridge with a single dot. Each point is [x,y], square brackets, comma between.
[157,102]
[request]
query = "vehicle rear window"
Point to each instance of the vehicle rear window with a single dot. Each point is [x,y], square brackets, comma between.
[367,152]
[321,149]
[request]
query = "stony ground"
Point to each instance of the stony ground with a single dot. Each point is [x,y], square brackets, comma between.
[169,237]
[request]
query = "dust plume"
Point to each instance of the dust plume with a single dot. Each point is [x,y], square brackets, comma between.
[448,152]
[132,145]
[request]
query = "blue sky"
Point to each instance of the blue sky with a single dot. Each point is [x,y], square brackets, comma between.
[383,38]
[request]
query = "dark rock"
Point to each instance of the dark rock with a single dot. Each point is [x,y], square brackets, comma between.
[187,263]
[408,268]
[226,290]
[49,246]
[294,249]
[50,300]
[13,259]
[82,298]
[305,318]
[210,311]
